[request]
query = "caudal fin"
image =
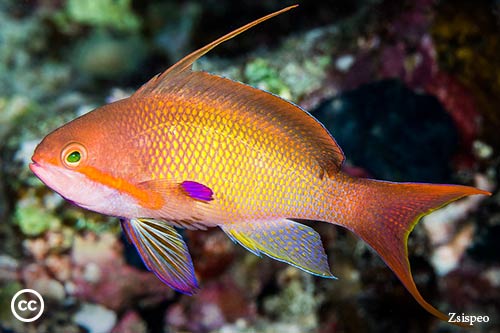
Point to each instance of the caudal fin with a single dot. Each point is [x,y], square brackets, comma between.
[389,213]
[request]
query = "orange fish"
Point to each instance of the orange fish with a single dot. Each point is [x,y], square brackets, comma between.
[194,150]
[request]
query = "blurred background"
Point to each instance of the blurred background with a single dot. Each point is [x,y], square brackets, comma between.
[409,89]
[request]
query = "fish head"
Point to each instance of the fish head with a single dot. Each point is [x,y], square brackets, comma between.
[83,161]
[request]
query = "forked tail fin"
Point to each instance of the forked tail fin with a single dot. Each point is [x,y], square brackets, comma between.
[388,213]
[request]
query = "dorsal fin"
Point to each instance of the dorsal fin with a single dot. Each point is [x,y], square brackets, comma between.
[242,103]
[185,63]
[287,118]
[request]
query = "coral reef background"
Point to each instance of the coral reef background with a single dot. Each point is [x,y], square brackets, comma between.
[410,90]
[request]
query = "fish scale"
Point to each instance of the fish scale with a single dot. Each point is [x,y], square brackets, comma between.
[194,150]
[198,147]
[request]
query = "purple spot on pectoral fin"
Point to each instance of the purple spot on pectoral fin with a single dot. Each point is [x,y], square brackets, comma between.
[197,191]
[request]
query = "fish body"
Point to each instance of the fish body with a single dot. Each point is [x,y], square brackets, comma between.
[190,149]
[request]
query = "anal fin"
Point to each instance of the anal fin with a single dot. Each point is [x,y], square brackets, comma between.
[283,240]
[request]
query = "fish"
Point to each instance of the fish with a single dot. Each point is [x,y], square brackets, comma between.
[190,149]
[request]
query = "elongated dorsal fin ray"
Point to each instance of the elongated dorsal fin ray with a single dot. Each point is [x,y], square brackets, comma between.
[185,63]
[298,126]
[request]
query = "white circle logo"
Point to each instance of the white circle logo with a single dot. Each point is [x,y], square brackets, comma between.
[31,308]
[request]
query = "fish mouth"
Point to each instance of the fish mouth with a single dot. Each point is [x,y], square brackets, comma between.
[52,176]
[35,166]
[42,170]
[44,174]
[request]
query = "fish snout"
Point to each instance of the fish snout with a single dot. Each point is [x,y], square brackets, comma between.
[34,166]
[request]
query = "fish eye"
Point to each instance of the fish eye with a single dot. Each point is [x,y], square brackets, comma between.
[73,155]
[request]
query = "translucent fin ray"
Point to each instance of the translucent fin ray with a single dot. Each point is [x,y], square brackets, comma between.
[164,252]
[283,240]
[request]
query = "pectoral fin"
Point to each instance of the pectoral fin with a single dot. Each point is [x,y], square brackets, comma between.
[190,189]
[197,191]
[164,252]
[284,240]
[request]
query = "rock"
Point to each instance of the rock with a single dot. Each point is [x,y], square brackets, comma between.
[447,257]
[59,266]
[32,218]
[95,318]
[50,288]
[8,268]
[101,275]
[131,322]
[102,56]
[95,249]
[112,14]
[344,62]
[218,303]
[212,251]
[391,131]
[297,302]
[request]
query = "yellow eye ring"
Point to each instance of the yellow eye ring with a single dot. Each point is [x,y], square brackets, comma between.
[73,155]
